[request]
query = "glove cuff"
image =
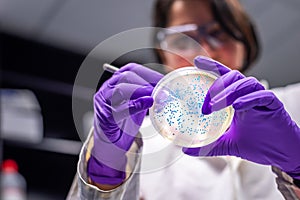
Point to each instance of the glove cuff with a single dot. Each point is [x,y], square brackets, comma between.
[102,174]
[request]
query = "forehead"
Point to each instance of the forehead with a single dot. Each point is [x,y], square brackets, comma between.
[190,11]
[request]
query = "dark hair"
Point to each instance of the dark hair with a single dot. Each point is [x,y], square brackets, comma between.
[229,14]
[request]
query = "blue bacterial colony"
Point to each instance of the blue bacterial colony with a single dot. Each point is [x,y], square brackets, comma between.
[176,113]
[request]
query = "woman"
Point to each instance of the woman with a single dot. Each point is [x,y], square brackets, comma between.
[227,35]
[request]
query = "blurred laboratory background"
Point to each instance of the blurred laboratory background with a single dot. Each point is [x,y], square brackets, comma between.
[43,44]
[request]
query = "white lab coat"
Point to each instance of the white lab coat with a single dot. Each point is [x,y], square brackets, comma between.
[173,175]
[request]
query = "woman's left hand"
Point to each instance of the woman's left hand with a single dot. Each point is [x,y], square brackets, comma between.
[261,131]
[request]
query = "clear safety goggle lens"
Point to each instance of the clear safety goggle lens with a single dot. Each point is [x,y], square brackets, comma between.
[187,38]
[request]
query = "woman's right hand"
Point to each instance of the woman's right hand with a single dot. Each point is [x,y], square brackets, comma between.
[120,106]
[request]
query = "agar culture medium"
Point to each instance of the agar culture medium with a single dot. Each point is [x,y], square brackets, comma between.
[176,112]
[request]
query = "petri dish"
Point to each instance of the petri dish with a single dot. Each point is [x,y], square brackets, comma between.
[176,111]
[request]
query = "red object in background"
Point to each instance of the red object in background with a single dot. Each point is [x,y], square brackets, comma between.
[9,165]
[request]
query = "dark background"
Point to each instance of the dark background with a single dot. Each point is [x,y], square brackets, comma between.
[49,72]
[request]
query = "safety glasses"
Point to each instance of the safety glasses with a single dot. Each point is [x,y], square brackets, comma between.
[187,38]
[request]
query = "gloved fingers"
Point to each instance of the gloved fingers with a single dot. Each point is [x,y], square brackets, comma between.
[125,91]
[230,94]
[131,107]
[126,77]
[220,84]
[263,99]
[224,81]
[222,147]
[209,64]
[146,73]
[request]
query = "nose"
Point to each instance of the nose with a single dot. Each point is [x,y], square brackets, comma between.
[211,52]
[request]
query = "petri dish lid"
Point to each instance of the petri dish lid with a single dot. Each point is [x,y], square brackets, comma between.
[176,112]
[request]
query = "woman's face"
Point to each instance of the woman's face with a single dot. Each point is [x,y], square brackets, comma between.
[230,52]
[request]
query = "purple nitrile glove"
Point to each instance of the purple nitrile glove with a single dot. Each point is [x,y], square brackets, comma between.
[261,131]
[120,106]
